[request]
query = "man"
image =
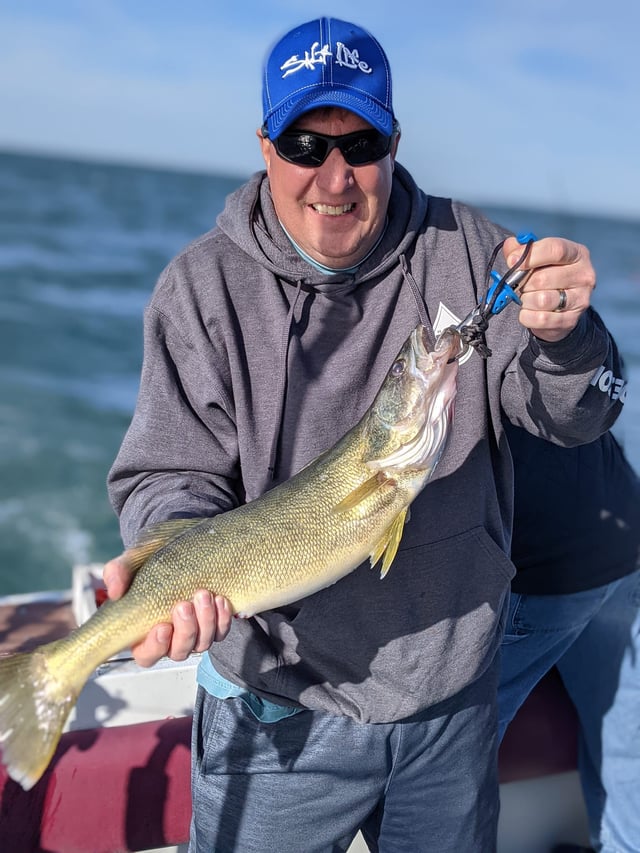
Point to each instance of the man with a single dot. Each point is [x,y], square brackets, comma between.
[370,705]
[574,603]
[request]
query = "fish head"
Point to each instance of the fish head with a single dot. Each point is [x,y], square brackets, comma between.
[412,412]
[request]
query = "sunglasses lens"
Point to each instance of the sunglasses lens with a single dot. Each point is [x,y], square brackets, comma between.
[305,149]
[366,147]
[311,149]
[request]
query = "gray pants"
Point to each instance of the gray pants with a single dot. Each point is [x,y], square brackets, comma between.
[308,783]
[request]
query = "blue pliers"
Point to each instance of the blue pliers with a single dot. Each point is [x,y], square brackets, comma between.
[502,290]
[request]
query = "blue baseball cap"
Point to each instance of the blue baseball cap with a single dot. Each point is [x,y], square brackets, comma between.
[326,62]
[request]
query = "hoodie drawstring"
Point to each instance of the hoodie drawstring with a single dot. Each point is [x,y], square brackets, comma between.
[419,299]
[281,391]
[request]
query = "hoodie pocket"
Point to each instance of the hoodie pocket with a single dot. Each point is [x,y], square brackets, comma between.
[383,649]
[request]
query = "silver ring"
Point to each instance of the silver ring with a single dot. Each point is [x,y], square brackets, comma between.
[562,304]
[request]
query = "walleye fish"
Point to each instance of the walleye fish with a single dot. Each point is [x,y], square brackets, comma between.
[348,505]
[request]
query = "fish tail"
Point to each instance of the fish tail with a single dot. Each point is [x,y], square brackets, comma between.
[34,705]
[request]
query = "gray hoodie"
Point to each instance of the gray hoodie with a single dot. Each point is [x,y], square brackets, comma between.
[255,363]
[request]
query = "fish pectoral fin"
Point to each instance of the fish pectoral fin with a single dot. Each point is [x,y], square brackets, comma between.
[387,547]
[364,491]
[154,537]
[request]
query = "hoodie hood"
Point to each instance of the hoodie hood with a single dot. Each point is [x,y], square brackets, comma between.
[249,220]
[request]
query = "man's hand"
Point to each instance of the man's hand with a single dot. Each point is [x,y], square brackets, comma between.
[558,267]
[194,626]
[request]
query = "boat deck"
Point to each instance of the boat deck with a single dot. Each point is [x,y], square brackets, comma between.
[28,621]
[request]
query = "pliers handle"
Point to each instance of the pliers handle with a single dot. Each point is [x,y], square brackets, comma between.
[506,288]
[503,290]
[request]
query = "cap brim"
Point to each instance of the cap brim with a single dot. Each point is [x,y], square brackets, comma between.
[366,107]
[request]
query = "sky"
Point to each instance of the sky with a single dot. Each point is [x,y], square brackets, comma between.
[531,104]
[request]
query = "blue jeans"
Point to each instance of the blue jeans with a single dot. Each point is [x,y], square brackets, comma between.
[593,637]
[309,782]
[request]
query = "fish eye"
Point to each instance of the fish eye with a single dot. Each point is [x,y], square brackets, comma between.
[398,367]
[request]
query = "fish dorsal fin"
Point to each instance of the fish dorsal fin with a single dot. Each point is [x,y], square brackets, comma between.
[364,491]
[154,537]
[387,547]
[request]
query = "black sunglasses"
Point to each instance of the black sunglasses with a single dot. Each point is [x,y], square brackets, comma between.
[305,148]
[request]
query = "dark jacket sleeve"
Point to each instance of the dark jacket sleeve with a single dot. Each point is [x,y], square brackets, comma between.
[570,391]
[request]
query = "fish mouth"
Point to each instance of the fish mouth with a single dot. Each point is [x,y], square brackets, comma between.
[448,348]
[450,344]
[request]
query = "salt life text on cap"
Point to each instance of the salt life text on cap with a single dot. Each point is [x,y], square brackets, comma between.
[326,62]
